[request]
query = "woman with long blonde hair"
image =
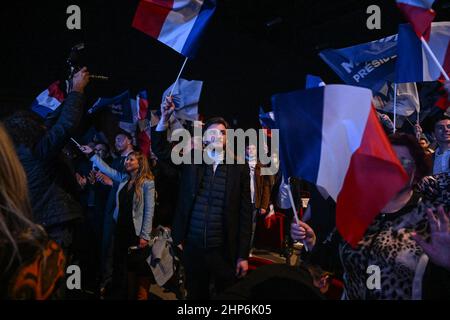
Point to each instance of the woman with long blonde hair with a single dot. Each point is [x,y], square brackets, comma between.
[26,255]
[135,202]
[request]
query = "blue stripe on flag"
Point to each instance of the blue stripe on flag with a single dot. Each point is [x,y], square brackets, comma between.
[409,67]
[299,117]
[40,110]
[192,42]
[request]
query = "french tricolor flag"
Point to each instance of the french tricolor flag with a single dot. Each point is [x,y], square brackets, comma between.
[177,23]
[143,136]
[414,63]
[419,13]
[330,136]
[49,100]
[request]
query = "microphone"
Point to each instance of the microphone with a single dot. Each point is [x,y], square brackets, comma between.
[98,77]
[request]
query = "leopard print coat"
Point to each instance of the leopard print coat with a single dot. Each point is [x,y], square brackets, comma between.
[388,245]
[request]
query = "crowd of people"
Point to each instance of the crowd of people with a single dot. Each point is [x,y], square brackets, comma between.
[103,210]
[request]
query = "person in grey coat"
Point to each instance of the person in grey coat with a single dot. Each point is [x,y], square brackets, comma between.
[133,215]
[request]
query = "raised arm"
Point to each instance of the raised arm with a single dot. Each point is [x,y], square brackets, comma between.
[102,166]
[160,146]
[71,111]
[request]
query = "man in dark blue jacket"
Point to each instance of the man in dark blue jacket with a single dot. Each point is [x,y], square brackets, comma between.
[213,218]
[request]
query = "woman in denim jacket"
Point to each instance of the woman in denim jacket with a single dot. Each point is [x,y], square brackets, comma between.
[135,202]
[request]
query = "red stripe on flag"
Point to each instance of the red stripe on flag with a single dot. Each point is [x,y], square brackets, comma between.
[55,91]
[145,143]
[143,108]
[420,19]
[374,176]
[151,15]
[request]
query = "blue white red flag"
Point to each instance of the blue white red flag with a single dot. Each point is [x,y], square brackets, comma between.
[419,13]
[49,100]
[178,24]
[143,136]
[414,64]
[331,137]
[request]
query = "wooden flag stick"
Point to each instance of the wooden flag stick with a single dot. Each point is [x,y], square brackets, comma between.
[178,77]
[430,52]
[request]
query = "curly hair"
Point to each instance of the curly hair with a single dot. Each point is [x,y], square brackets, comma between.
[25,127]
[410,142]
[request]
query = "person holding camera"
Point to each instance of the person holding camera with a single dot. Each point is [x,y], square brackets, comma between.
[39,149]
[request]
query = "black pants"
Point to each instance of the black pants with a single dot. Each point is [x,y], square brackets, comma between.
[205,267]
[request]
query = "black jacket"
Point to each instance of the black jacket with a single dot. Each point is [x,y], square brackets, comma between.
[51,204]
[237,211]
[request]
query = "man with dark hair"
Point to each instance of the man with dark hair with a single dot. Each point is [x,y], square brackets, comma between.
[441,158]
[38,148]
[124,146]
[213,219]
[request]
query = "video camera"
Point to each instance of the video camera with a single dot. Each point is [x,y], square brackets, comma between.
[77,59]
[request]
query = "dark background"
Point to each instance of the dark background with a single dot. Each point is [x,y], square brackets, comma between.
[242,60]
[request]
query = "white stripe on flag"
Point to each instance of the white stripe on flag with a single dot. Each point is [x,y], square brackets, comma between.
[45,100]
[179,23]
[439,39]
[345,113]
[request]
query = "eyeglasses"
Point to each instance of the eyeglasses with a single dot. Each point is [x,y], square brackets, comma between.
[442,128]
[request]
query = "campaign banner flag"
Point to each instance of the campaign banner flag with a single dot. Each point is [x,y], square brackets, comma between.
[367,65]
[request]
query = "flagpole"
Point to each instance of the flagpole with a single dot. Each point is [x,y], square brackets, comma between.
[430,52]
[178,77]
[395,107]
[418,114]
[297,220]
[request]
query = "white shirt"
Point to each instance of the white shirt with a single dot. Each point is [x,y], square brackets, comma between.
[441,162]
[217,157]
[252,166]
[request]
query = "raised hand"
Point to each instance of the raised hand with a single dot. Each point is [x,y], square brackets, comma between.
[82,181]
[86,149]
[438,248]
[303,232]
[103,179]
[80,80]
[167,108]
